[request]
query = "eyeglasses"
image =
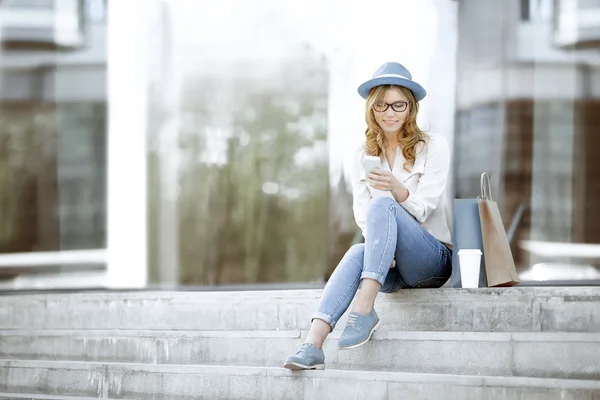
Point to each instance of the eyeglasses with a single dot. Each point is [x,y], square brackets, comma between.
[381,106]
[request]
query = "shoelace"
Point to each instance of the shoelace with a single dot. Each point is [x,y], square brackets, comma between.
[352,320]
[304,346]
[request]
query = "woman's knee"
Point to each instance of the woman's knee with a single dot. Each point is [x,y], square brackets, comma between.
[379,205]
[356,252]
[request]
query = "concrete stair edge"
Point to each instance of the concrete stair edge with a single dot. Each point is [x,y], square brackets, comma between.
[506,310]
[355,375]
[13,396]
[495,294]
[302,333]
[498,354]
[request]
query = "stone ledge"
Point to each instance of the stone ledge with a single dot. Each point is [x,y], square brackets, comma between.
[578,293]
[301,334]
[379,376]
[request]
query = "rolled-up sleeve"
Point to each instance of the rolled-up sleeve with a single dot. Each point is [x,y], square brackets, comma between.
[360,192]
[432,183]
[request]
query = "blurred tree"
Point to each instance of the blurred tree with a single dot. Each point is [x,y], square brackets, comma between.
[27,160]
[254,183]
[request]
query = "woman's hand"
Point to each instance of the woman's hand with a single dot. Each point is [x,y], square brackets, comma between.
[383,180]
[386,181]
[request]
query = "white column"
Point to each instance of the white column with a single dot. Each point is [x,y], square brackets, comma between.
[128,32]
[166,78]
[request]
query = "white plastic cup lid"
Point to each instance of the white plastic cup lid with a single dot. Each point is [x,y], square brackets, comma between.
[469,252]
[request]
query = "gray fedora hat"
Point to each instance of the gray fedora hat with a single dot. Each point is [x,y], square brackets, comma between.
[392,73]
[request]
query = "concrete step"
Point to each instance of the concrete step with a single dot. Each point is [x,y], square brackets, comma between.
[38,379]
[18,396]
[572,309]
[547,355]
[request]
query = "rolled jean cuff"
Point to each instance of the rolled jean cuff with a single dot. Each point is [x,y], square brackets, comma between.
[324,317]
[374,276]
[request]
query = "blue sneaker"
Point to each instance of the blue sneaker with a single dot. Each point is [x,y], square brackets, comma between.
[359,329]
[308,357]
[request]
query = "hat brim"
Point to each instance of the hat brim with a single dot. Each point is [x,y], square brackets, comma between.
[418,90]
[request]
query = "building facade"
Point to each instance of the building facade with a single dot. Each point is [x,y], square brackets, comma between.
[528,90]
[53,112]
[176,157]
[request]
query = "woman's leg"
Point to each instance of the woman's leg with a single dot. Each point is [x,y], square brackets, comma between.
[370,262]
[380,246]
[337,295]
[336,298]
[422,261]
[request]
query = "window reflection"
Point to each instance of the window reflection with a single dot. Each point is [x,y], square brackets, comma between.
[249,131]
[52,129]
[247,180]
[534,123]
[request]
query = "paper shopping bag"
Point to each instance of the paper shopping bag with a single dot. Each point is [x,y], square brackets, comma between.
[499,263]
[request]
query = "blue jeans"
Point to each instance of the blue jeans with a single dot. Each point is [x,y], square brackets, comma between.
[422,261]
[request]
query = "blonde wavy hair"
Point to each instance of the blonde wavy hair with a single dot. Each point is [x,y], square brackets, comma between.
[409,135]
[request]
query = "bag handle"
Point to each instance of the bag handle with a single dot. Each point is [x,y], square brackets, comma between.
[486,187]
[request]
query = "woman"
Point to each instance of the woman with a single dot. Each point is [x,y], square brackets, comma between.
[400,209]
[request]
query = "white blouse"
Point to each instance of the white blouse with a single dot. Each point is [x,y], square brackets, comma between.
[426,184]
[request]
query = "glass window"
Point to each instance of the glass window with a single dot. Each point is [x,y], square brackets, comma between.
[238,166]
[541,144]
[52,147]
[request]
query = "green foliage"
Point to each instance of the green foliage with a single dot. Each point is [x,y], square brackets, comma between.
[52,175]
[253,201]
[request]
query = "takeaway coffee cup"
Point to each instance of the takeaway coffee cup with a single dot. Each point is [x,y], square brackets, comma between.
[470,262]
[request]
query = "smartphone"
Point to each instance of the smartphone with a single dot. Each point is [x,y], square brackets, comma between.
[370,163]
